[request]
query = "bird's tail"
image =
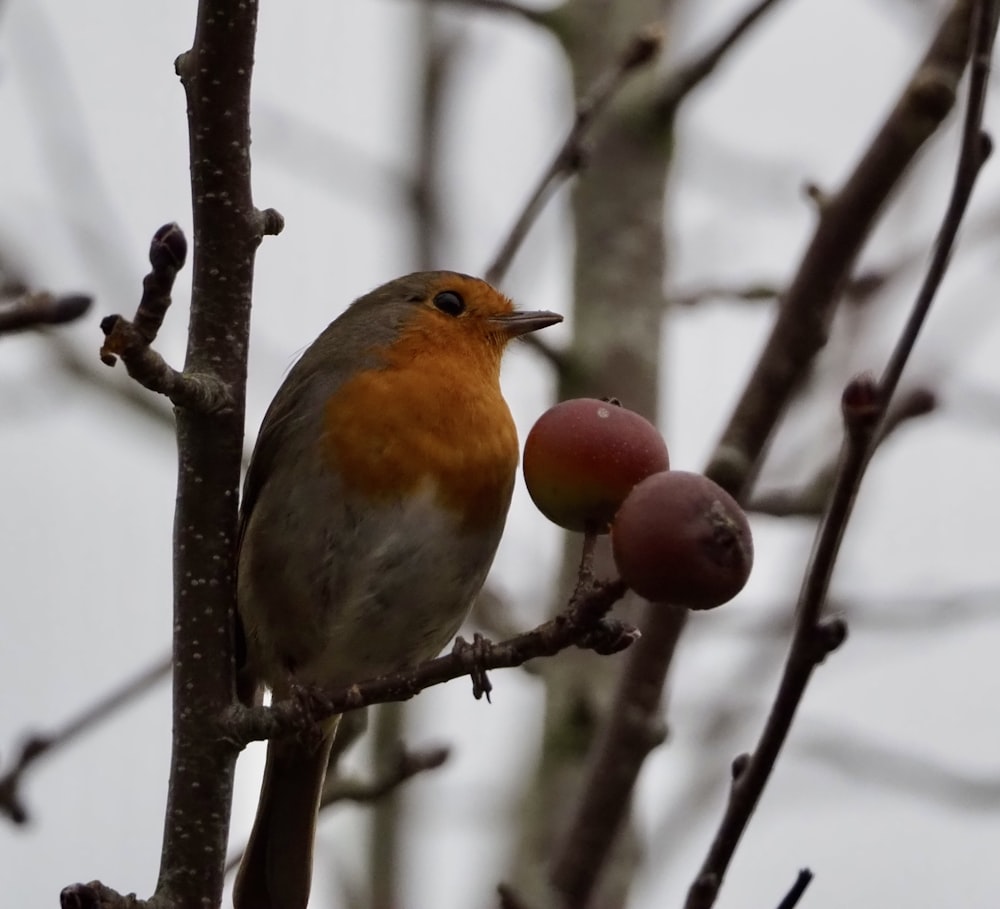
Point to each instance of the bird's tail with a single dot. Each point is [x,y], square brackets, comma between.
[276,870]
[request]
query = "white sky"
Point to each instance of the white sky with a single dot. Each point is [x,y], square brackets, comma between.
[95,159]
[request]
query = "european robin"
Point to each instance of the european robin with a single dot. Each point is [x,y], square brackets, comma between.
[372,510]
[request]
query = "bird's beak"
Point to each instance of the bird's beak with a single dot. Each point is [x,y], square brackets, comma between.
[514,324]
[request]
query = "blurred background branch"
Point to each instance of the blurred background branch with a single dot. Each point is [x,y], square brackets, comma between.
[37,309]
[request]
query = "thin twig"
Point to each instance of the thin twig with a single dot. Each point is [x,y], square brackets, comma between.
[810,500]
[878,614]
[406,765]
[864,408]
[683,80]
[34,310]
[585,572]
[38,744]
[751,292]
[508,7]
[808,305]
[641,50]
[87,371]
[582,624]
[975,150]
[131,340]
[791,899]
[167,254]
[900,768]
[858,289]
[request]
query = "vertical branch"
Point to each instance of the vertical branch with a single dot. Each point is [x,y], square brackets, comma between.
[619,266]
[216,75]
[630,733]
[621,256]
[436,54]
[798,335]
[864,406]
[437,58]
[227,231]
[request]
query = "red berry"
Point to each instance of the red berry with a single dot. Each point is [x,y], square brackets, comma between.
[680,538]
[582,457]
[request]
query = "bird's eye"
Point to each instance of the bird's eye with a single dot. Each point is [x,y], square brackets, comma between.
[450,303]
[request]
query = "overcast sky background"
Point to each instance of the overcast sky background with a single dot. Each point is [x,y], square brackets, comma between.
[95,159]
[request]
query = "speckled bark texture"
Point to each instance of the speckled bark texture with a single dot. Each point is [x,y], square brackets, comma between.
[227,230]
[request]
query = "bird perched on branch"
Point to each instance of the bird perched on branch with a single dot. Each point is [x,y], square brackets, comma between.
[372,510]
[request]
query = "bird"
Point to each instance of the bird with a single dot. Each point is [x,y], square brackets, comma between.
[372,509]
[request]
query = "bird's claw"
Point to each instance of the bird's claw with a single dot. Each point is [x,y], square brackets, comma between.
[474,655]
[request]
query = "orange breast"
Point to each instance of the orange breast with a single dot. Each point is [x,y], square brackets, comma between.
[432,415]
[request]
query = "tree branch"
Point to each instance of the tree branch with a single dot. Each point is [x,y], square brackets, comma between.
[582,624]
[406,765]
[216,75]
[791,899]
[845,221]
[509,7]
[685,79]
[641,50]
[798,335]
[34,310]
[811,500]
[879,614]
[864,407]
[899,768]
[633,729]
[37,744]
[751,292]
[131,340]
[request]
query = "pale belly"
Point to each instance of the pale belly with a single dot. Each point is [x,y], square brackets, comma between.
[374,591]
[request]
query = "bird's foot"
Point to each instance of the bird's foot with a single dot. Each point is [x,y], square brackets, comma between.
[311,713]
[476,653]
